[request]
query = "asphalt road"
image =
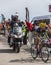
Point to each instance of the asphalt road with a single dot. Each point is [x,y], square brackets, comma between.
[8,57]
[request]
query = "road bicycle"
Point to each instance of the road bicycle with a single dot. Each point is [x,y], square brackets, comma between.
[41,51]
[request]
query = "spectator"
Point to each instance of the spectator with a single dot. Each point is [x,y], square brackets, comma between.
[24,30]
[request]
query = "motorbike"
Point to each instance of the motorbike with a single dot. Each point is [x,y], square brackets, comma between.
[15,40]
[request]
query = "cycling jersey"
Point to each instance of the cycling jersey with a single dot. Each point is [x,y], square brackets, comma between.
[41,32]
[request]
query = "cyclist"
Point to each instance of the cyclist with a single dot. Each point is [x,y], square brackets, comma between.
[49,30]
[41,32]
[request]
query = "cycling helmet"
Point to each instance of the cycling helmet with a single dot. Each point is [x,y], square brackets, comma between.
[42,25]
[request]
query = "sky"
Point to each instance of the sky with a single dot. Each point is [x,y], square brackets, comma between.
[36,8]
